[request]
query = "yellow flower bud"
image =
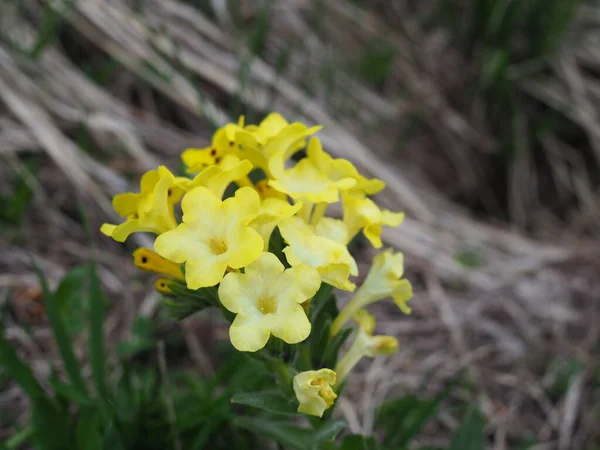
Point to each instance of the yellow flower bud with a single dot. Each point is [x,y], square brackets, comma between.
[150,261]
[314,391]
[162,285]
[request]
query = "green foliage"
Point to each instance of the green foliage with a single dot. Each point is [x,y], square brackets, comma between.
[14,206]
[469,435]
[401,419]
[507,40]
[377,62]
[245,403]
[470,258]
[563,370]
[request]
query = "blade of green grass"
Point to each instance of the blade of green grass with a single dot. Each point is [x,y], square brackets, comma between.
[63,341]
[17,369]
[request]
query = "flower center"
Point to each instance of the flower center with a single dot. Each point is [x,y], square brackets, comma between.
[266,305]
[325,391]
[218,246]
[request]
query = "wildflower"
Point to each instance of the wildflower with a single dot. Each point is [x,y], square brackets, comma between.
[214,235]
[267,300]
[342,168]
[162,285]
[272,211]
[333,229]
[314,391]
[364,345]
[223,143]
[383,280]
[285,143]
[310,178]
[218,178]
[268,128]
[150,210]
[361,212]
[330,258]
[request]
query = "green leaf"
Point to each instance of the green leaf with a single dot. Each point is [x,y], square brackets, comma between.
[68,392]
[469,435]
[401,419]
[62,338]
[52,428]
[141,338]
[287,435]
[330,355]
[329,430]
[87,434]
[270,400]
[17,369]
[359,442]
[70,287]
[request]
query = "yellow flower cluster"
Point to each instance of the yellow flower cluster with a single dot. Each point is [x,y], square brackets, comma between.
[213,228]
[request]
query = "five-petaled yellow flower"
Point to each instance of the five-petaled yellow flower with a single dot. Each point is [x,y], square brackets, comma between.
[329,257]
[314,391]
[311,178]
[363,213]
[267,300]
[150,210]
[214,235]
[223,143]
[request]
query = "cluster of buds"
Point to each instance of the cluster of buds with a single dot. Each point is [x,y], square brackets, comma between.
[247,230]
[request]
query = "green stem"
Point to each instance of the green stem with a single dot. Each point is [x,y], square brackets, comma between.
[348,311]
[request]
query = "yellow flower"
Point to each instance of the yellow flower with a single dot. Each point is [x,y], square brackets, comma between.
[268,128]
[361,212]
[342,168]
[214,235]
[310,178]
[272,212]
[364,345]
[288,141]
[383,280]
[150,261]
[223,143]
[314,391]
[333,229]
[161,285]
[150,210]
[218,178]
[267,300]
[330,258]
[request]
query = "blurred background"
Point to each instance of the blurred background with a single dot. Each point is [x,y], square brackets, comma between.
[480,115]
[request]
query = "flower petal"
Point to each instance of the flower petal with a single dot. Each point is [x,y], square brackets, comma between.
[293,327]
[248,334]
[266,265]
